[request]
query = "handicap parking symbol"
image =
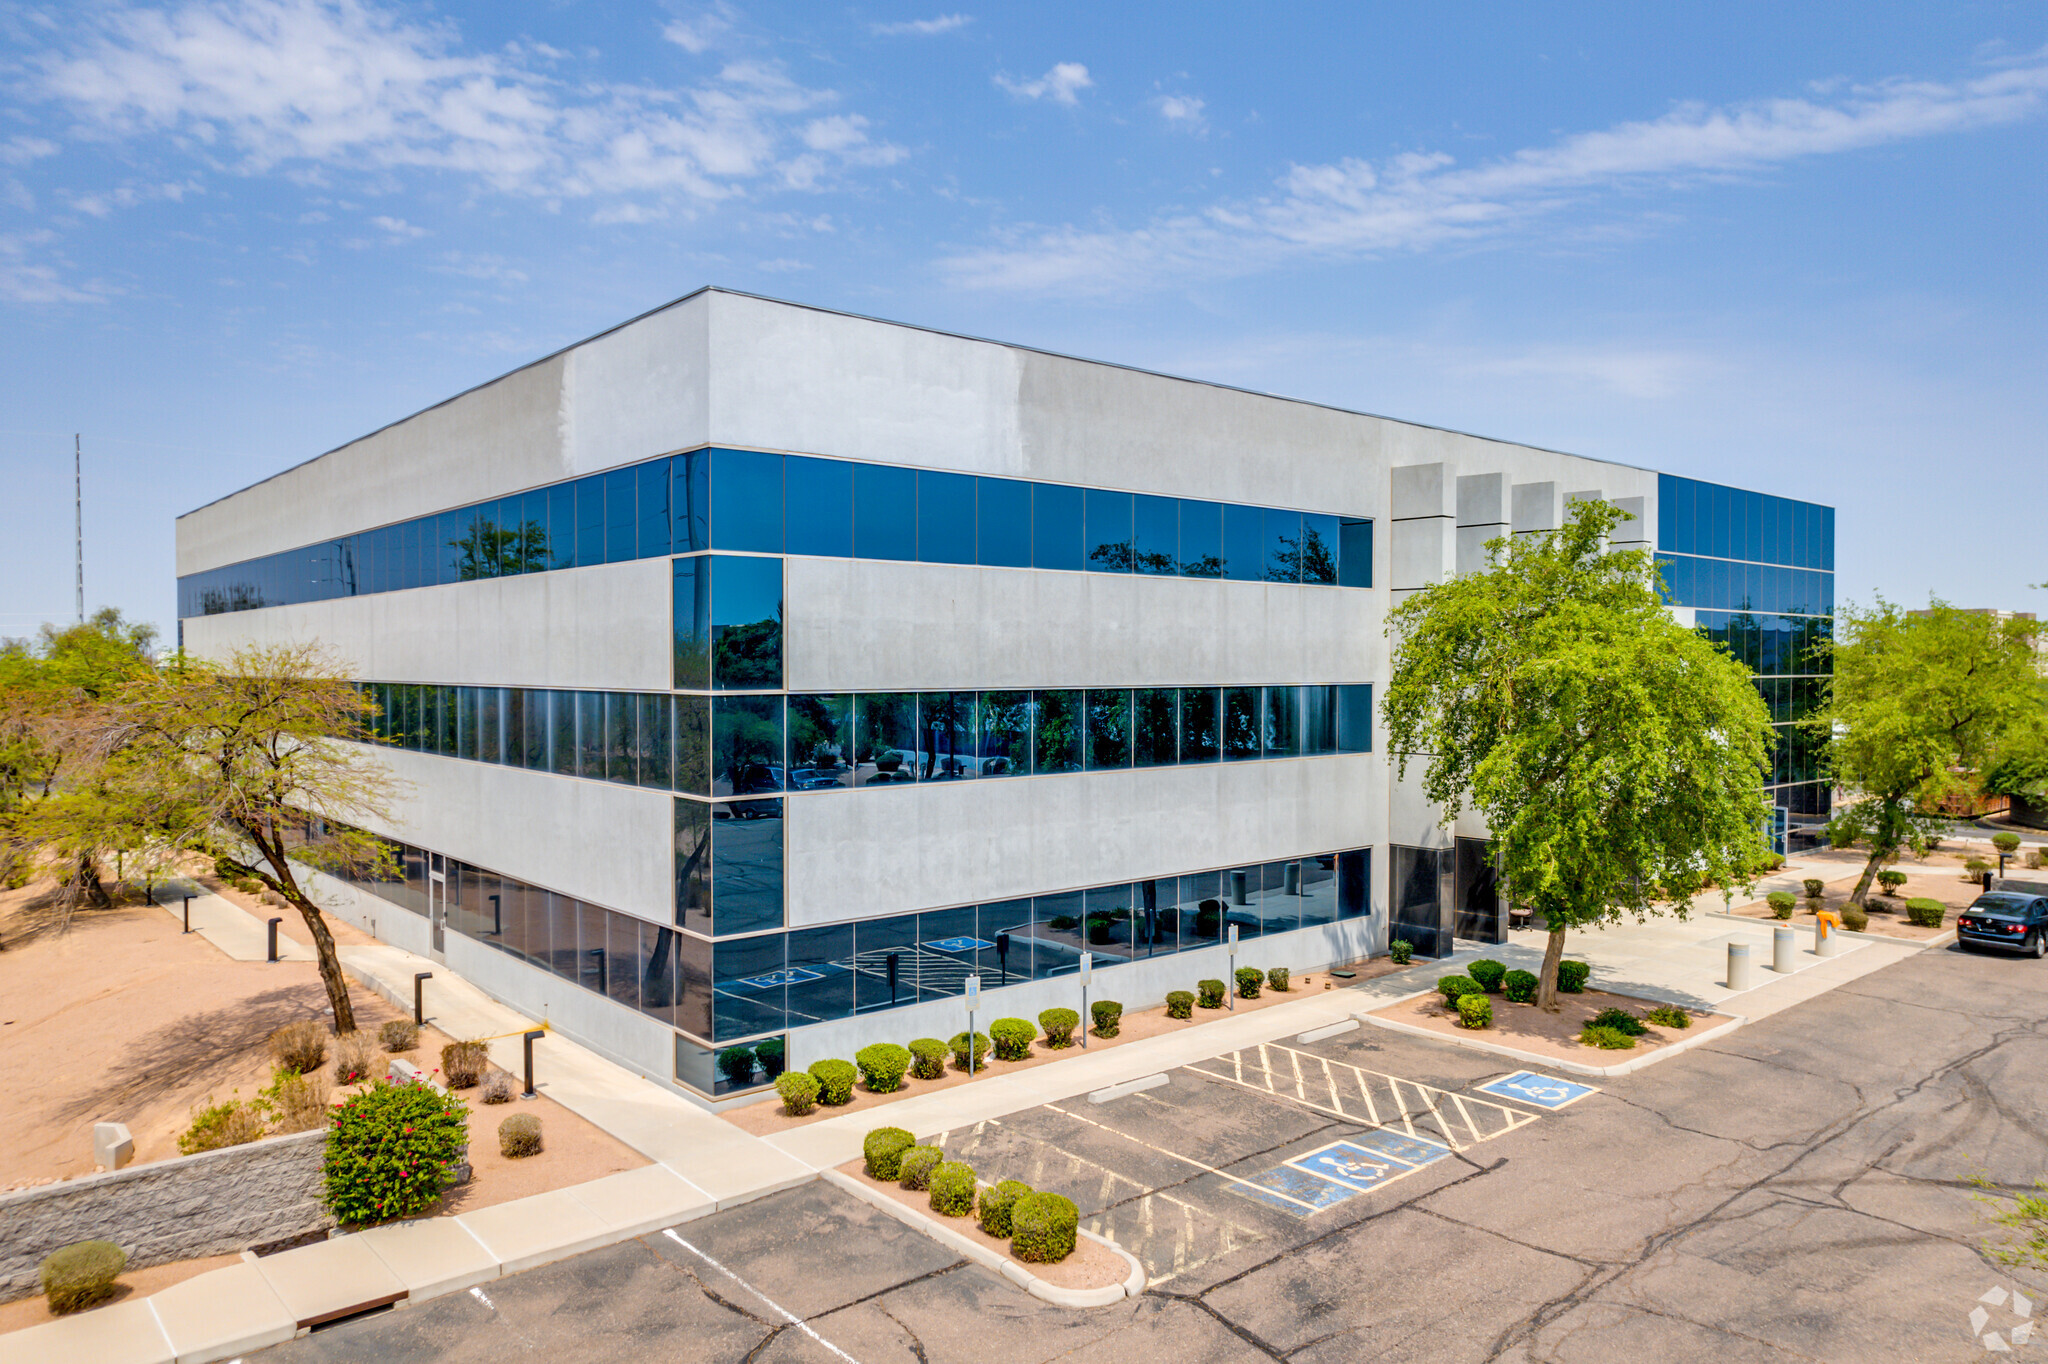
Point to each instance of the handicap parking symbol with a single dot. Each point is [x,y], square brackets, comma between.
[1544,1091]
[1350,1165]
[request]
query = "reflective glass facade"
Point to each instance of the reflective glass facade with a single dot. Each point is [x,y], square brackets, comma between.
[1759,573]
[747,501]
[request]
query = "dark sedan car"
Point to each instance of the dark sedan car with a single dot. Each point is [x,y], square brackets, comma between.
[2007,921]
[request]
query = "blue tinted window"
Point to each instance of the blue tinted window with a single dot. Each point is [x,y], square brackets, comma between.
[819,496]
[1201,539]
[1003,522]
[884,512]
[1354,552]
[747,984]
[561,525]
[1827,541]
[821,742]
[887,951]
[1201,724]
[746,500]
[1242,723]
[821,974]
[1156,533]
[1155,726]
[1055,526]
[621,516]
[1318,720]
[746,743]
[947,730]
[1107,530]
[1283,545]
[691,612]
[886,740]
[945,517]
[590,521]
[1056,731]
[746,622]
[1244,551]
[690,500]
[1109,729]
[652,497]
[1283,722]
[693,744]
[1319,540]
[1354,718]
[536,550]
[1004,749]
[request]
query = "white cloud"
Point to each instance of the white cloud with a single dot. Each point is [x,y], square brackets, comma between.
[695,35]
[782,265]
[922,28]
[20,150]
[320,86]
[1414,201]
[1062,85]
[398,227]
[23,280]
[1181,111]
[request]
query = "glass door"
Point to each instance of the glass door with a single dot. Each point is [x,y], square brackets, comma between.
[437,905]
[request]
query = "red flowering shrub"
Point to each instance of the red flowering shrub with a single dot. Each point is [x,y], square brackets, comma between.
[391,1150]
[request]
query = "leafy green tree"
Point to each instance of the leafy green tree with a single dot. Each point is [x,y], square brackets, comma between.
[1617,757]
[1921,702]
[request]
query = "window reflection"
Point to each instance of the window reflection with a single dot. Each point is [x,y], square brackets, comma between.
[1283,721]
[820,502]
[1241,723]
[884,512]
[1155,726]
[946,725]
[887,738]
[1003,522]
[746,866]
[1107,530]
[1109,729]
[820,742]
[746,736]
[1318,721]
[691,609]
[945,517]
[1056,731]
[1201,539]
[1201,724]
[1282,532]
[746,501]
[1156,534]
[746,622]
[1055,526]
[1005,746]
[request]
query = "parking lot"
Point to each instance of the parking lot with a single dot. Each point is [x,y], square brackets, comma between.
[1798,1190]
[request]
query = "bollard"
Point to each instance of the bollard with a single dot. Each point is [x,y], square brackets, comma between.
[1230,980]
[188,914]
[1824,941]
[1738,966]
[273,938]
[531,1038]
[1293,886]
[1784,951]
[1239,885]
[419,1016]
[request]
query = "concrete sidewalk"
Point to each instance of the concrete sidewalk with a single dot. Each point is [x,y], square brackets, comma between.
[236,932]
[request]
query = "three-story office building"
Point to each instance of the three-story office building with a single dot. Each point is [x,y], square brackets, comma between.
[756,674]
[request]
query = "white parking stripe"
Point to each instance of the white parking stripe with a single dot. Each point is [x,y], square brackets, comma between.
[773,1305]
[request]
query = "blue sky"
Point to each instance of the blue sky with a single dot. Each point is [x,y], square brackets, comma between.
[1799,252]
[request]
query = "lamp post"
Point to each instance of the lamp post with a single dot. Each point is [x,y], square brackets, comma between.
[531,1038]
[419,1016]
[273,938]
[188,914]
[973,999]
[1087,969]
[1230,981]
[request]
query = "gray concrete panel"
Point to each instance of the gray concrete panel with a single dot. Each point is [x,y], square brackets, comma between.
[1482,499]
[1424,551]
[1537,507]
[1422,490]
[640,391]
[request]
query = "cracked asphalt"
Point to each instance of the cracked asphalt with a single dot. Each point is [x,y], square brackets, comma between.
[1797,1191]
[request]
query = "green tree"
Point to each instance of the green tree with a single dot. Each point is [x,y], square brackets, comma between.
[1617,757]
[1918,705]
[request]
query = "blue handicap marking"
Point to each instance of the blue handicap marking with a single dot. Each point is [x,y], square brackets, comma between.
[1544,1091]
[1331,1174]
[792,975]
[1412,1150]
[1295,1191]
[959,945]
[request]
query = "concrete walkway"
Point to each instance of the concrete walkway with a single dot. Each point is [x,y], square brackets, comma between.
[234,930]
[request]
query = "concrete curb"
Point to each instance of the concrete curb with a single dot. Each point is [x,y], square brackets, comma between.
[969,1249]
[1550,1062]
[1925,944]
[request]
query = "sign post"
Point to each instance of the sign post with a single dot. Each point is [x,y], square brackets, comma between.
[1230,982]
[1087,969]
[973,999]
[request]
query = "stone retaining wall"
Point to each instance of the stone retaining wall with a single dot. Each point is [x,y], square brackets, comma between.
[214,1203]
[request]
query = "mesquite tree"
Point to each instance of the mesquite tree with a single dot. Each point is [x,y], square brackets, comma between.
[1617,756]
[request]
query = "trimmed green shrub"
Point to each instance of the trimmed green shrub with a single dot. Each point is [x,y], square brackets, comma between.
[883,1150]
[882,1065]
[835,1081]
[1974,867]
[914,1170]
[1013,1038]
[1042,1228]
[391,1149]
[1572,976]
[300,1046]
[1059,1025]
[928,1058]
[1814,887]
[1854,919]
[1781,903]
[81,1274]
[1276,980]
[233,1123]
[1489,973]
[2006,841]
[1249,979]
[464,1063]
[1401,951]
[1109,1016]
[400,1034]
[1925,913]
[799,1091]
[1519,986]
[952,1188]
[1180,1004]
[959,1046]
[1668,1016]
[996,1202]
[1621,1020]
[1475,1011]
[1607,1039]
[1890,881]
[1209,993]
[769,1056]
[736,1064]
[1452,986]
[1773,861]
[519,1136]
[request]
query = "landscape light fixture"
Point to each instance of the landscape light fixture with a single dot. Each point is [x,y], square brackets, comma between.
[419,1016]
[273,938]
[188,914]
[531,1038]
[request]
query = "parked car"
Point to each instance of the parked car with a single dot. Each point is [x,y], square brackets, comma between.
[2005,921]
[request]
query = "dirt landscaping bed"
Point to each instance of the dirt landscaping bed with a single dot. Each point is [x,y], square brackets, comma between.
[1528,1028]
[1932,881]
[766,1118]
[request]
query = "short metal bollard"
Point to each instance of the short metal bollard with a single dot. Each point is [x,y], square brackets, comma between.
[188,914]
[1825,941]
[1784,951]
[531,1038]
[1738,966]
[419,1015]
[273,938]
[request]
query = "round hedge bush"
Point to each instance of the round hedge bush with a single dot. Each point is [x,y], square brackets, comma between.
[1042,1227]
[1475,1011]
[1276,980]
[80,1275]
[1854,919]
[799,1092]
[2006,841]
[996,1202]
[1013,1038]
[1109,1016]
[1814,887]
[1249,979]
[1452,986]
[884,1149]
[952,1188]
[1519,987]
[1573,975]
[835,1080]
[1923,912]
[464,1063]
[1210,993]
[1059,1025]
[914,1170]
[1781,902]
[959,1046]
[928,1058]
[1180,1004]
[882,1065]
[390,1149]
[1401,951]
[769,1057]
[1488,973]
[1890,881]
[519,1136]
